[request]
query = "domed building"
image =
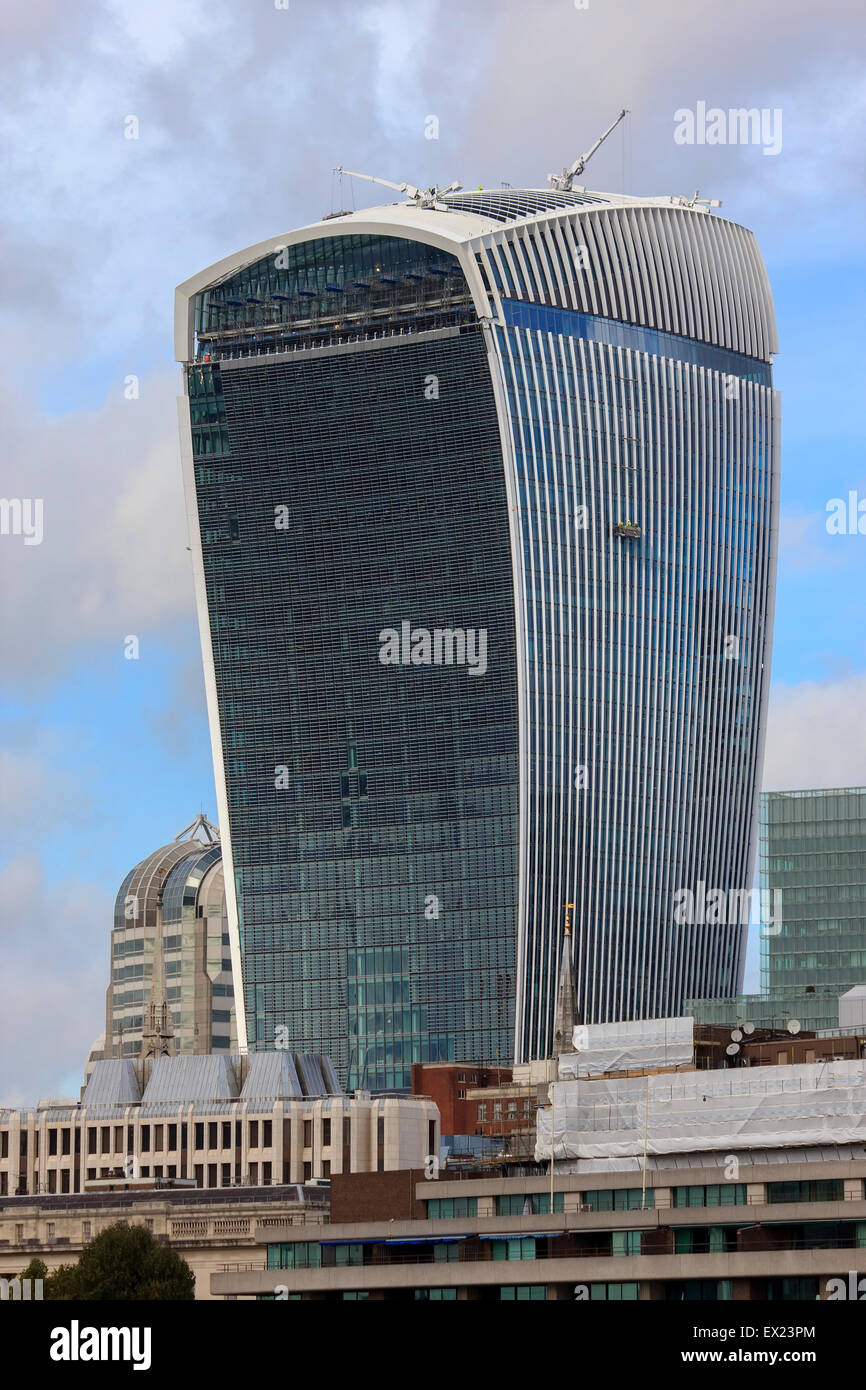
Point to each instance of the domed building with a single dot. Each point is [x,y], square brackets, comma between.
[195,978]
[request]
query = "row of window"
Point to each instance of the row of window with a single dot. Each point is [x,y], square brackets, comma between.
[634,1199]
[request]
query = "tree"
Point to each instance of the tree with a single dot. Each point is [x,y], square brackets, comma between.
[37,1269]
[123,1263]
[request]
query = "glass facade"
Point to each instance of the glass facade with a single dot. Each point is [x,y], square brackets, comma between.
[545,318]
[813,853]
[373,807]
[197,966]
[561,435]
[813,911]
[644,654]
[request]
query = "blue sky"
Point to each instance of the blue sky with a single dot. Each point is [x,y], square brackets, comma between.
[244,111]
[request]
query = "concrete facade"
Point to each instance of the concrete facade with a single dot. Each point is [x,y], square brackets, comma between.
[776,1249]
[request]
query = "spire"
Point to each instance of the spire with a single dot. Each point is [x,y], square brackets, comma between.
[157,1035]
[209,832]
[565,1018]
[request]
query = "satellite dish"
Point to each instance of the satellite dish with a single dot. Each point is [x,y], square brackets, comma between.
[794,1026]
[732,1049]
[748,1027]
[736,1036]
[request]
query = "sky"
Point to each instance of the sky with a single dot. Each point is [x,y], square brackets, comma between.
[141,143]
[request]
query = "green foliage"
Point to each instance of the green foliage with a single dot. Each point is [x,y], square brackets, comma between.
[61,1285]
[37,1269]
[123,1263]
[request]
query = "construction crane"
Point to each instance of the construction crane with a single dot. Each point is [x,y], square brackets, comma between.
[427,198]
[564,182]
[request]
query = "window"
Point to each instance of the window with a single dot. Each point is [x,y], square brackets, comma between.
[446,1252]
[720,1194]
[482,1111]
[618,1199]
[524,1293]
[529,1204]
[704,1240]
[349,1255]
[297,1254]
[326,1133]
[212,1134]
[254,1134]
[614,1293]
[514,1248]
[700,1290]
[86,1228]
[51,1229]
[441,1208]
[626,1243]
[823,1190]
[267,1133]
[308,1134]
[199,1135]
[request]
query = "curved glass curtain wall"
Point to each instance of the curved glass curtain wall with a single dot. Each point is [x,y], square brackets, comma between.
[182,884]
[377,887]
[334,289]
[642,736]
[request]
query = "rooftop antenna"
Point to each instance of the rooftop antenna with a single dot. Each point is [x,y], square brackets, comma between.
[426,198]
[697,201]
[564,182]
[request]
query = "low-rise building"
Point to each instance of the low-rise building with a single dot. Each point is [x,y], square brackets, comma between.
[215,1232]
[222,1120]
[785,1228]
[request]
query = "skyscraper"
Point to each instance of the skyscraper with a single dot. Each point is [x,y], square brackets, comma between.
[483,494]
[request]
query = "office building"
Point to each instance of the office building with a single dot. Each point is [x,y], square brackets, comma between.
[483,493]
[813,932]
[223,1120]
[183,885]
[791,1227]
[744,1183]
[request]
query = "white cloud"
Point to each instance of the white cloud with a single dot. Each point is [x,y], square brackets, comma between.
[55,944]
[113,559]
[816,735]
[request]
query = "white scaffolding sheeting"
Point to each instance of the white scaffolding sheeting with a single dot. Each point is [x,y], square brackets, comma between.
[743,1108]
[605,1047]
